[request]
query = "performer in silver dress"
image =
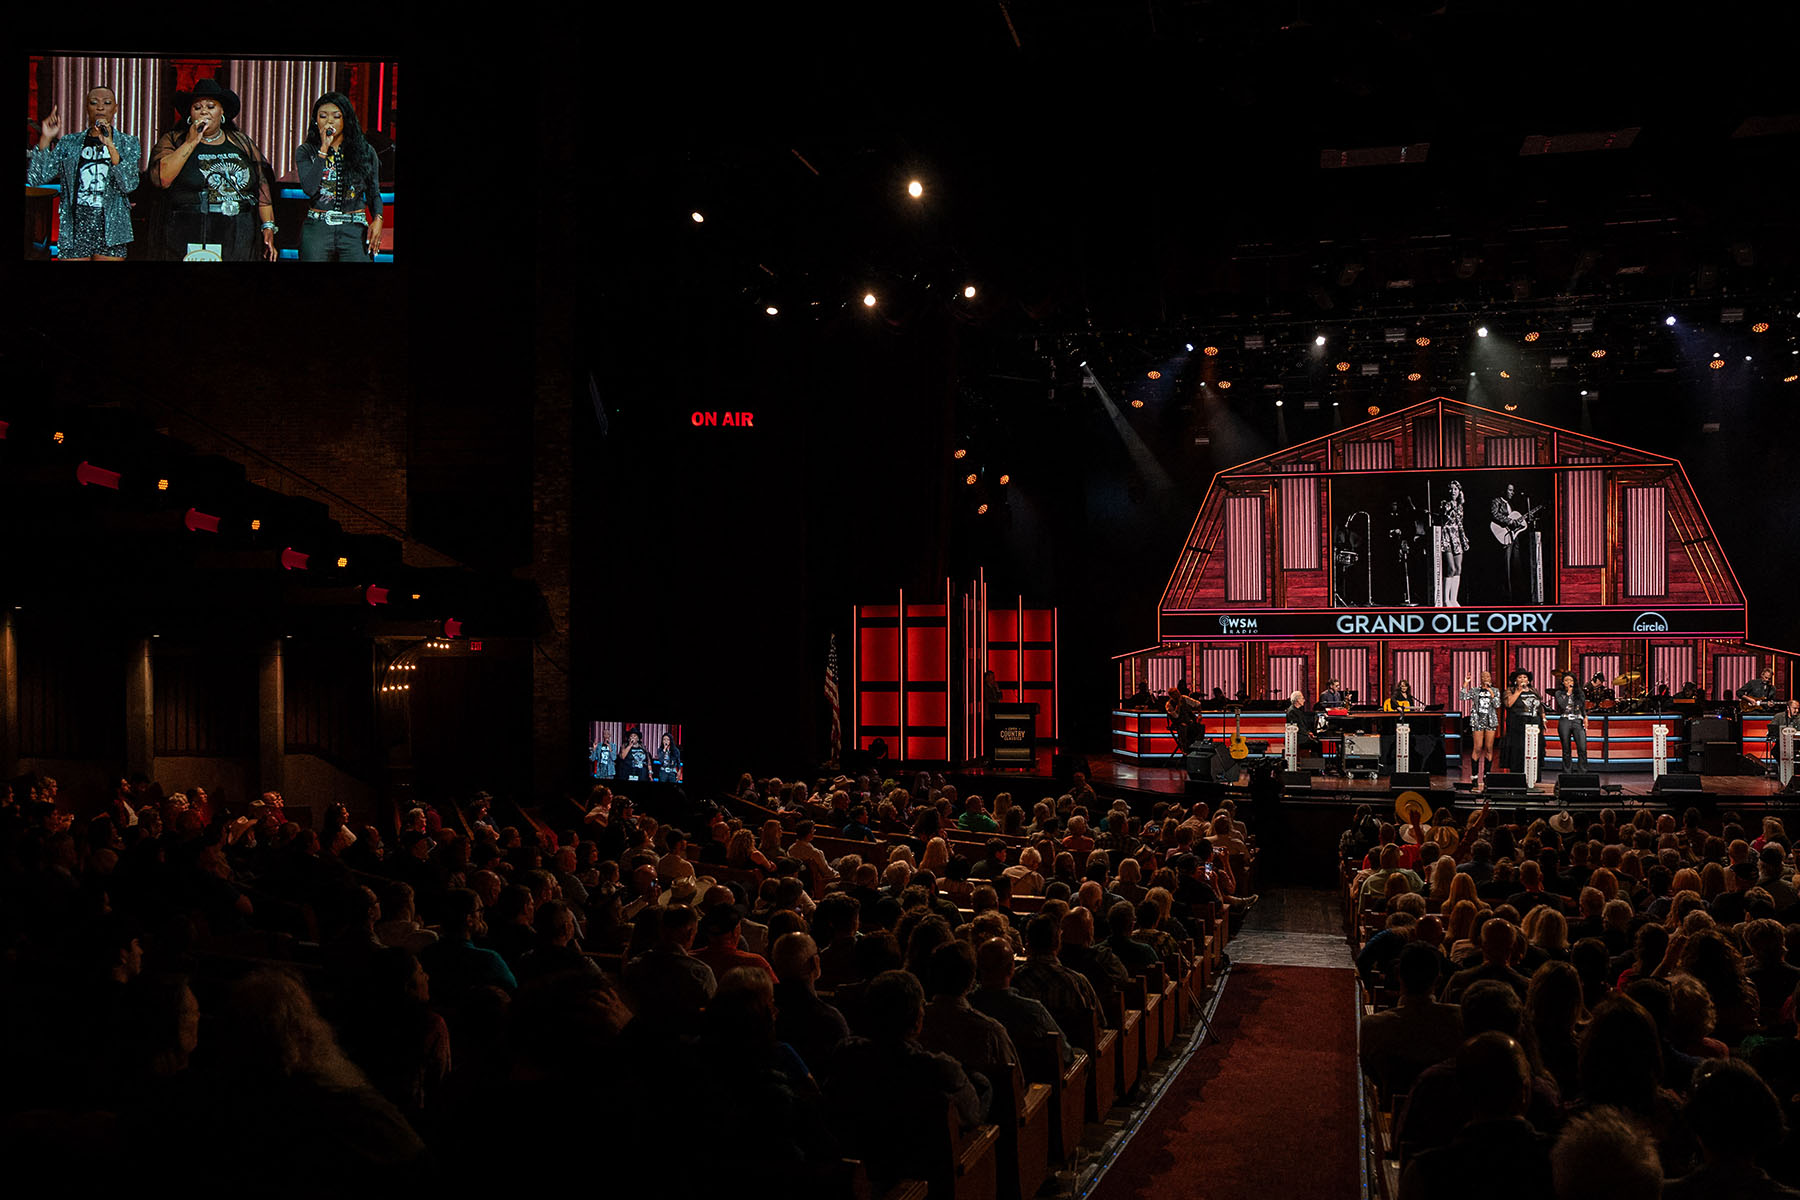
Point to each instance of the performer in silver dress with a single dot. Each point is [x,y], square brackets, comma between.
[1484,720]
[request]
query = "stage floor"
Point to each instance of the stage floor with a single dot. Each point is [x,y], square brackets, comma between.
[1115,773]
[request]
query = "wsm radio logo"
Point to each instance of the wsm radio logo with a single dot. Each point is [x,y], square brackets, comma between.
[1237,624]
[1650,622]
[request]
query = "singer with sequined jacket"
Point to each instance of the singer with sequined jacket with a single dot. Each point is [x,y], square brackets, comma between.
[340,175]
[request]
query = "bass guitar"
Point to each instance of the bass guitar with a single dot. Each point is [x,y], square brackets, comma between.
[1239,748]
[1507,533]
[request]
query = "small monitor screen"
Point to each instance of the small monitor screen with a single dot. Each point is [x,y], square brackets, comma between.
[635,752]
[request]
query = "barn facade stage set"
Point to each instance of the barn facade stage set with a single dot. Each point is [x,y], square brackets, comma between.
[1430,545]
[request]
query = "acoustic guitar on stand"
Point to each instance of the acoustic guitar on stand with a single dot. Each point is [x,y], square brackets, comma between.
[1239,748]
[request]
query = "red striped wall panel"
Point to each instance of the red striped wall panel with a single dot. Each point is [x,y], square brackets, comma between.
[1414,666]
[1244,548]
[1350,666]
[1299,510]
[1222,668]
[1539,660]
[1584,515]
[1731,672]
[1673,665]
[1289,674]
[1369,456]
[1646,553]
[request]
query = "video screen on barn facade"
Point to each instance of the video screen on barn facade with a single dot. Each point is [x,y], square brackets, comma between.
[1453,539]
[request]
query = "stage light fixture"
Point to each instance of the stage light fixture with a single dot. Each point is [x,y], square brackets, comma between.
[1481,332]
[1512,408]
[969,292]
[1137,404]
[1225,383]
[1319,341]
[162,485]
[1596,354]
[1584,391]
[1471,374]
[1532,336]
[415,595]
[1005,479]
[1278,404]
[960,453]
[1343,366]
[1789,378]
[915,189]
[1190,346]
[1210,351]
[1668,320]
[1156,374]
[772,310]
[255,525]
[57,437]
[342,563]
[1760,327]
[981,510]
[1506,374]
[1746,358]
[1717,364]
[698,219]
[1414,377]
[1421,341]
[1374,410]
[869,299]
[970,479]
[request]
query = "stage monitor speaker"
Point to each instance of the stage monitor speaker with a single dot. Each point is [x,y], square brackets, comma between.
[1301,778]
[1063,766]
[1678,782]
[1212,764]
[1411,779]
[1577,784]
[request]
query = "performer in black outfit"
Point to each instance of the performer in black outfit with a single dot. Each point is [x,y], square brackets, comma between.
[1524,707]
[668,761]
[1333,696]
[1301,717]
[634,761]
[1571,706]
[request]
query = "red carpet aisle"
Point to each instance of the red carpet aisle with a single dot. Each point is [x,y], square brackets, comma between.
[1269,1111]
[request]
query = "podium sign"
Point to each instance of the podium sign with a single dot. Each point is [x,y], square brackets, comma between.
[1787,754]
[1532,736]
[1012,734]
[1659,750]
[1290,745]
[1402,748]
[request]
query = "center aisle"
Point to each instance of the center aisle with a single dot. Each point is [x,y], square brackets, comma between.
[1270,1108]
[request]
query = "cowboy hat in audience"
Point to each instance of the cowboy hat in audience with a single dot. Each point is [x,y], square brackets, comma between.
[686,890]
[1406,803]
[1563,823]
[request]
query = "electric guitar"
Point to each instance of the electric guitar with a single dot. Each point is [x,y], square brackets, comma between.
[1239,747]
[1506,534]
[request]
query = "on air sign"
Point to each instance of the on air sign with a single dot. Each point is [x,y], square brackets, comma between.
[736,420]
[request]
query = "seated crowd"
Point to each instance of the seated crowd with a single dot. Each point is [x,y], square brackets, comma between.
[805,973]
[1597,1010]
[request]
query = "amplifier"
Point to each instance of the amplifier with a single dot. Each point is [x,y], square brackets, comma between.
[1362,745]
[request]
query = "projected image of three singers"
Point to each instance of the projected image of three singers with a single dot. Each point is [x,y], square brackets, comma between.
[1442,539]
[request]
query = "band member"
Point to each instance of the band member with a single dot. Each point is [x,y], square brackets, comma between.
[1524,708]
[668,760]
[1333,695]
[1510,525]
[1790,719]
[603,753]
[1456,543]
[1759,691]
[1689,691]
[1184,719]
[1401,699]
[215,177]
[1301,717]
[634,760]
[1484,720]
[96,169]
[1571,706]
[1599,691]
[341,177]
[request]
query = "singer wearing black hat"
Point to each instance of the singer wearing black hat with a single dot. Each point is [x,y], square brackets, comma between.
[341,177]
[220,208]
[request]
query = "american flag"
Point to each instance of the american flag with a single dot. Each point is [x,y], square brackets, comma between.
[831,694]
